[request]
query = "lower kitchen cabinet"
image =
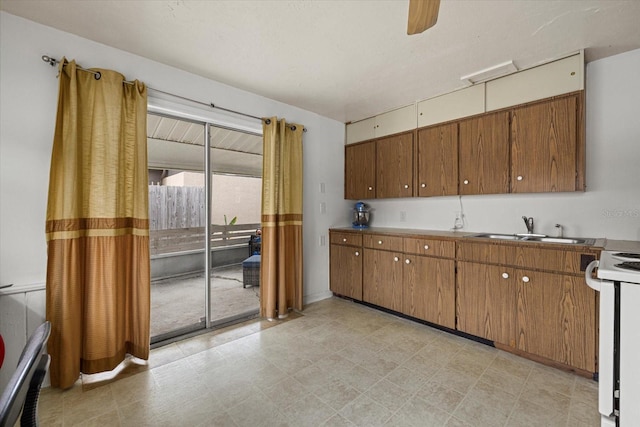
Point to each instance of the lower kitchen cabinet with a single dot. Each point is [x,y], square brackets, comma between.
[346,271]
[428,289]
[543,314]
[486,305]
[382,278]
[557,318]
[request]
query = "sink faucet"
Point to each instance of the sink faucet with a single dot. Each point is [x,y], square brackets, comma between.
[529,223]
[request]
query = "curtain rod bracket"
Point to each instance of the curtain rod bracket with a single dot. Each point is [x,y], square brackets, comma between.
[51,61]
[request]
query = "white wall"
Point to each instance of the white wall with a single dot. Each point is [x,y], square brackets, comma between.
[609,208]
[27,114]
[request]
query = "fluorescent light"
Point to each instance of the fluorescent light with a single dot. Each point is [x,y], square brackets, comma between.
[490,73]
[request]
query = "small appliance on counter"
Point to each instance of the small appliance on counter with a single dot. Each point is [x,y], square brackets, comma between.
[619,350]
[361,216]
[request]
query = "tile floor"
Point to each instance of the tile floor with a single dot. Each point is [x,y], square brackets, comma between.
[341,364]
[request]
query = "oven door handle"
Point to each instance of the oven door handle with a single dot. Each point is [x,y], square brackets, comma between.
[595,284]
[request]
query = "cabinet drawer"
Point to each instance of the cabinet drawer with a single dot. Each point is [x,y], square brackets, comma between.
[383,242]
[555,260]
[432,247]
[349,239]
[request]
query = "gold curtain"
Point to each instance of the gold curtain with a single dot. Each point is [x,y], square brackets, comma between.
[98,273]
[281,258]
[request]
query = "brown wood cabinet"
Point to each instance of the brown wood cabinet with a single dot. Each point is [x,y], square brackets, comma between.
[484,154]
[438,160]
[394,166]
[504,295]
[382,278]
[557,318]
[345,264]
[544,146]
[486,302]
[360,171]
[428,289]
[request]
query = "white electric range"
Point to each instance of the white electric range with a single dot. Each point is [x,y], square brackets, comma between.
[619,344]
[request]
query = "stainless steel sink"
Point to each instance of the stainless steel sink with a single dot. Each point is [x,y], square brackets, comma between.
[535,238]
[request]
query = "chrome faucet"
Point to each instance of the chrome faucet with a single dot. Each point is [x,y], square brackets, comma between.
[529,223]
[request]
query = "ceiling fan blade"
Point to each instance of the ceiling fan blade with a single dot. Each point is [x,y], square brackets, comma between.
[423,14]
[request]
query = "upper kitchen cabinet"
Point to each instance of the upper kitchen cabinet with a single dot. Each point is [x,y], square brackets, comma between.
[394,166]
[438,160]
[547,146]
[395,121]
[552,79]
[451,106]
[484,154]
[360,171]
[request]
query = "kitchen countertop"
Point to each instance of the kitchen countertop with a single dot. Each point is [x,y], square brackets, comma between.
[599,243]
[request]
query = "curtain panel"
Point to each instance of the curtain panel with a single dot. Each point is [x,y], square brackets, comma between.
[281,259]
[97,228]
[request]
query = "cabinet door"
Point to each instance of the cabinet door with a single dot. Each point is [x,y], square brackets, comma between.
[438,160]
[484,154]
[346,271]
[360,171]
[486,304]
[557,318]
[428,290]
[382,278]
[543,146]
[394,166]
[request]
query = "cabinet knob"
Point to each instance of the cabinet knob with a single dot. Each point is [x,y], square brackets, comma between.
[505,275]
[407,261]
[406,186]
[426,247]
[423,185]
[465,182]
[344,240]
[519,178]
[396,259]
[525,279]
[370,188]
[357,253]
[379,242]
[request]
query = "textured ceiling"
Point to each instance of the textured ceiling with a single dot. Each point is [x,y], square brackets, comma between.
[347,60]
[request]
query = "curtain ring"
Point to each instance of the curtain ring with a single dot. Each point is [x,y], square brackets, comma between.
[97,75]
[267,121]
[293,128]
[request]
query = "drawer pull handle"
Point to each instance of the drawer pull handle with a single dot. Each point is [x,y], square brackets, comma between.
[465,182]
[370,188]
[357,253]
[379,242]
[396,259]
[407,261]
[519,178]
[423,185]
[406,186]
[525,279]
[426,247]
[505,275]
[344,239]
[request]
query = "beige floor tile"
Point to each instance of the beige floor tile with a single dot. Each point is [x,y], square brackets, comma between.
[365,412]
[485,404]
[388,395]
[337,393]
[439,396]
[417,413]
[528,414]
[309,411]
[341,364]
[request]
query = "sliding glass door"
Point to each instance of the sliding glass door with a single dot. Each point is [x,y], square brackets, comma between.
[198,282]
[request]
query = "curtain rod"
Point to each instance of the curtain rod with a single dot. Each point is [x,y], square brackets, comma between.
[97,75]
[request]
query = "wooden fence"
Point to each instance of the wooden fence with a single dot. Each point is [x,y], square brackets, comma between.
[186,239]
[176,207]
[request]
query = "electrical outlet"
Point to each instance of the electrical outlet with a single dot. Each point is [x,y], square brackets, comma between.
[322,188]
[323,208]
[403,216]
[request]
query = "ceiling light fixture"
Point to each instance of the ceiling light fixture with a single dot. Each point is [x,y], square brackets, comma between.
[490,73]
